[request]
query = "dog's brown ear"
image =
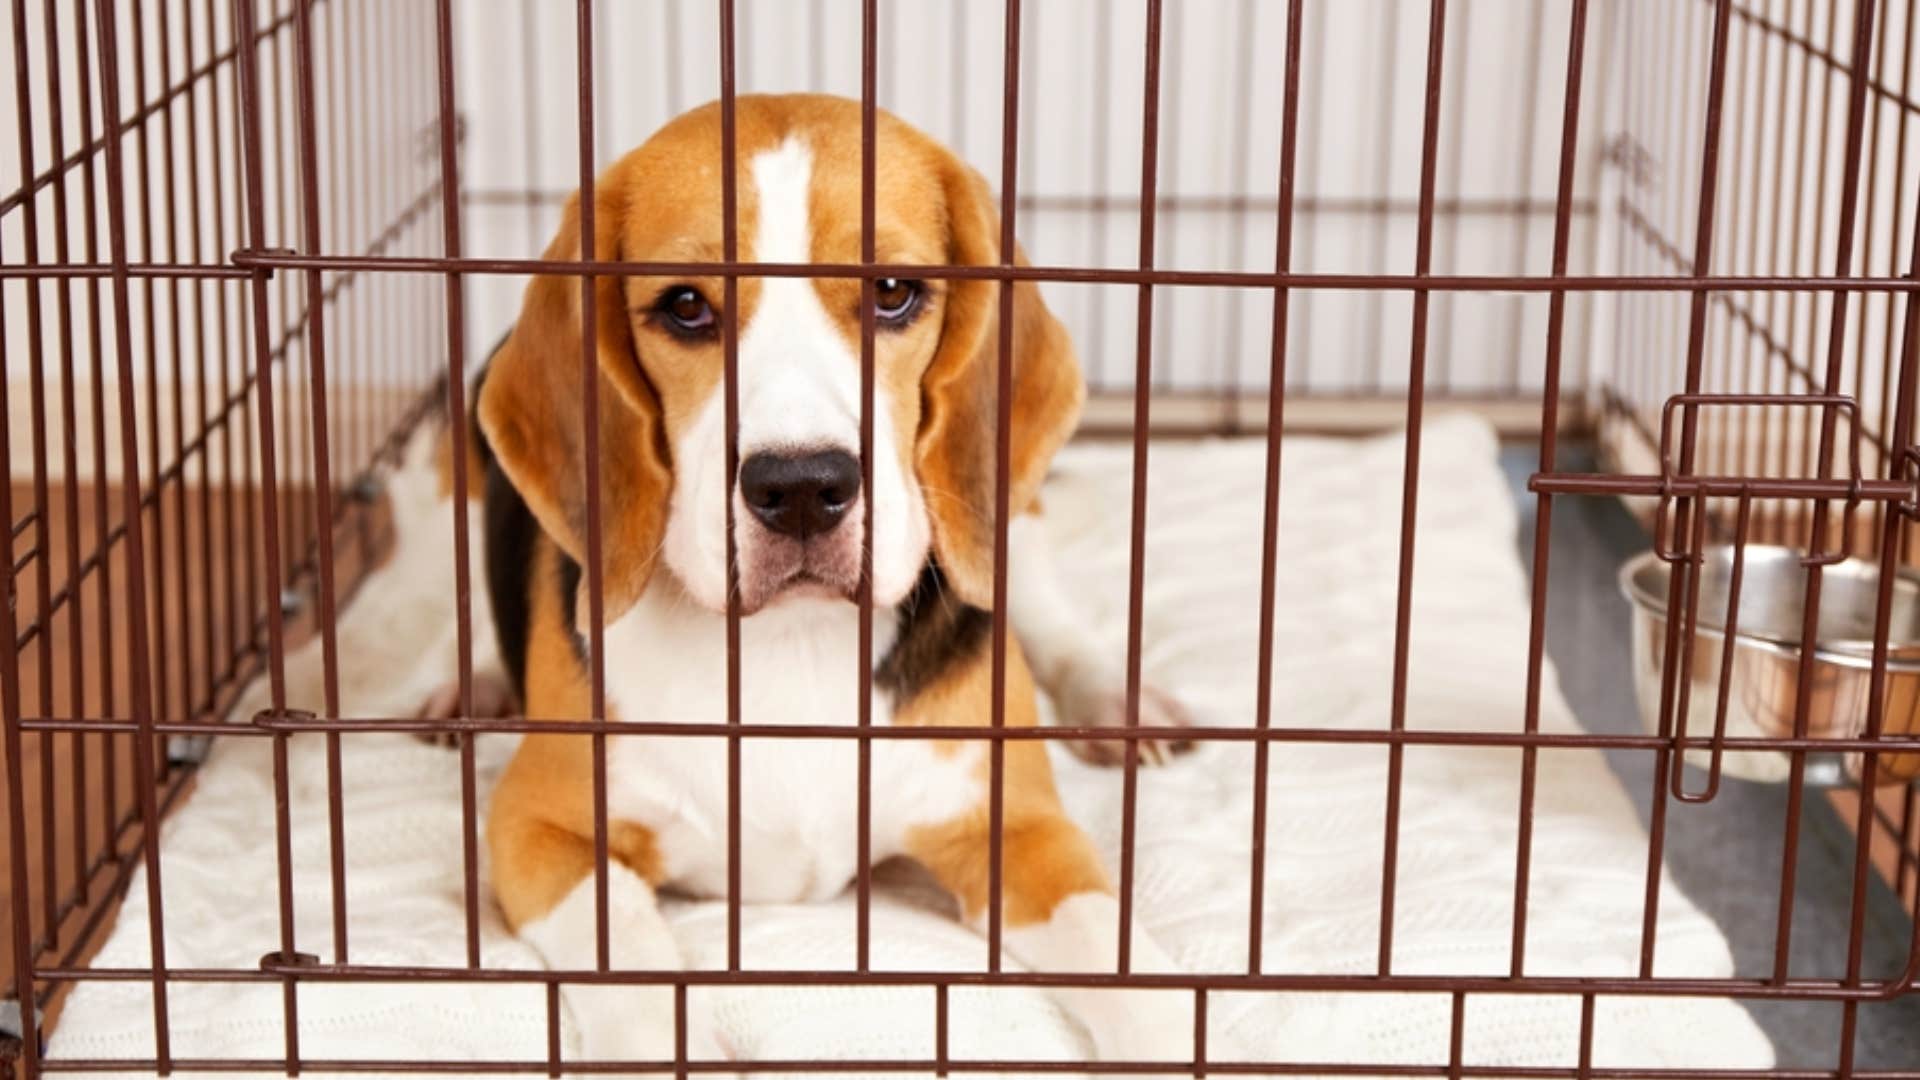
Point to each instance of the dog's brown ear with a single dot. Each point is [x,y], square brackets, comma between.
[955,450]
[531,410]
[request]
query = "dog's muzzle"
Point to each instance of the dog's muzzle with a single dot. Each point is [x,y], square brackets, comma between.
[801,502]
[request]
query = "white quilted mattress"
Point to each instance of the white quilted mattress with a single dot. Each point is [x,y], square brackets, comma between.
[1332,667]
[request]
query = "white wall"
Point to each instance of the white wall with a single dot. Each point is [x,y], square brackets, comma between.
[941,67]
[1081,111]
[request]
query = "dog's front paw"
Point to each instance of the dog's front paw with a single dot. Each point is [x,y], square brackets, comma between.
[1101,702]
[643,1030]
[492,700]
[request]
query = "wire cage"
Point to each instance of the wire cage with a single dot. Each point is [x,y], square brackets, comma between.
[254,244]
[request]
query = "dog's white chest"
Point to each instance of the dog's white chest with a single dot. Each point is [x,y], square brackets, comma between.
[799,811]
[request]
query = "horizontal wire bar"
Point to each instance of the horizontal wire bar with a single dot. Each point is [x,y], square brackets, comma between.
[1471,206]
[1719,486]
[1514,283]
[957,1065]
[1887,742]
[273,970]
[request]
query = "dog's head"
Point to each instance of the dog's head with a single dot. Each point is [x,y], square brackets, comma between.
[799,505]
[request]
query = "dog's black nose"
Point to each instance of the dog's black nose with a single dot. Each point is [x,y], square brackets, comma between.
[800,495]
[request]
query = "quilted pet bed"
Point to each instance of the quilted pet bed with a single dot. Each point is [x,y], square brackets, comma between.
[1332,668]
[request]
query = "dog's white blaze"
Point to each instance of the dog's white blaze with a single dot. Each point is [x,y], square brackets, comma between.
[799,390]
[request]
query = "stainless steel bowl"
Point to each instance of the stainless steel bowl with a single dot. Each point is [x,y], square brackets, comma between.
[1765,680]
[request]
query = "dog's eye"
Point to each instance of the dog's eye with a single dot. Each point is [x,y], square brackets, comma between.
[686,310]
[894,300]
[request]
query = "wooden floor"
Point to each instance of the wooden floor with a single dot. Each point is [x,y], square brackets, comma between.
[82,791]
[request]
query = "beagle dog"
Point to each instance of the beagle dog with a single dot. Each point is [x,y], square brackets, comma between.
[799,513]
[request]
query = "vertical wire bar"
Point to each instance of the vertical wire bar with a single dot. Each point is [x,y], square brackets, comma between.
[1817,160]
[1816,537]
[680,1057]
[1857,422]
[1770,445]
[1850,1009]
[1827,74]
[590,406]
[1200,1031]
[322,475]
[1890,332]
[142,702]
[292,416]
[1142,419]
[10,711]
[1440,358]
[1909,817]
[1410,482]
[96,349]
[1234,305]
[1389,90]
[1720,360]
[76,614]
[157,570]
[1684,570]
[75,663]
[196,233]
[1752,443]
[1270,528]
[170,199]
[1585,1067]
[869,43]
[1523,226]
[1549,446]
[455,287]
[553,1029]
[238,637]
[730,358]
[1457,1035]
[1002,473]
[940,1022]
[36,359]
[530,131]
[1167,169]
[340,239]
[1309,234]
[1100,158]
[244,508]
[247,49]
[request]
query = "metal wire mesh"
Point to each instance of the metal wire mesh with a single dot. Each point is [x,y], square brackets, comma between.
[237,275]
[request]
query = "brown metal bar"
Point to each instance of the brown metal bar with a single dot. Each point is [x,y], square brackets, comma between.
[37,413]
[23,950]
[1549,455]
[590,420]
[1816,537]
[1270,527]
[1683,571]
[322,474]
[141,697]
[251,108]
[1142,416]
[451,239]
[1410,483]
[1517,283]
[730,347]
[1002,473]
[869,161]
[1811,990]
